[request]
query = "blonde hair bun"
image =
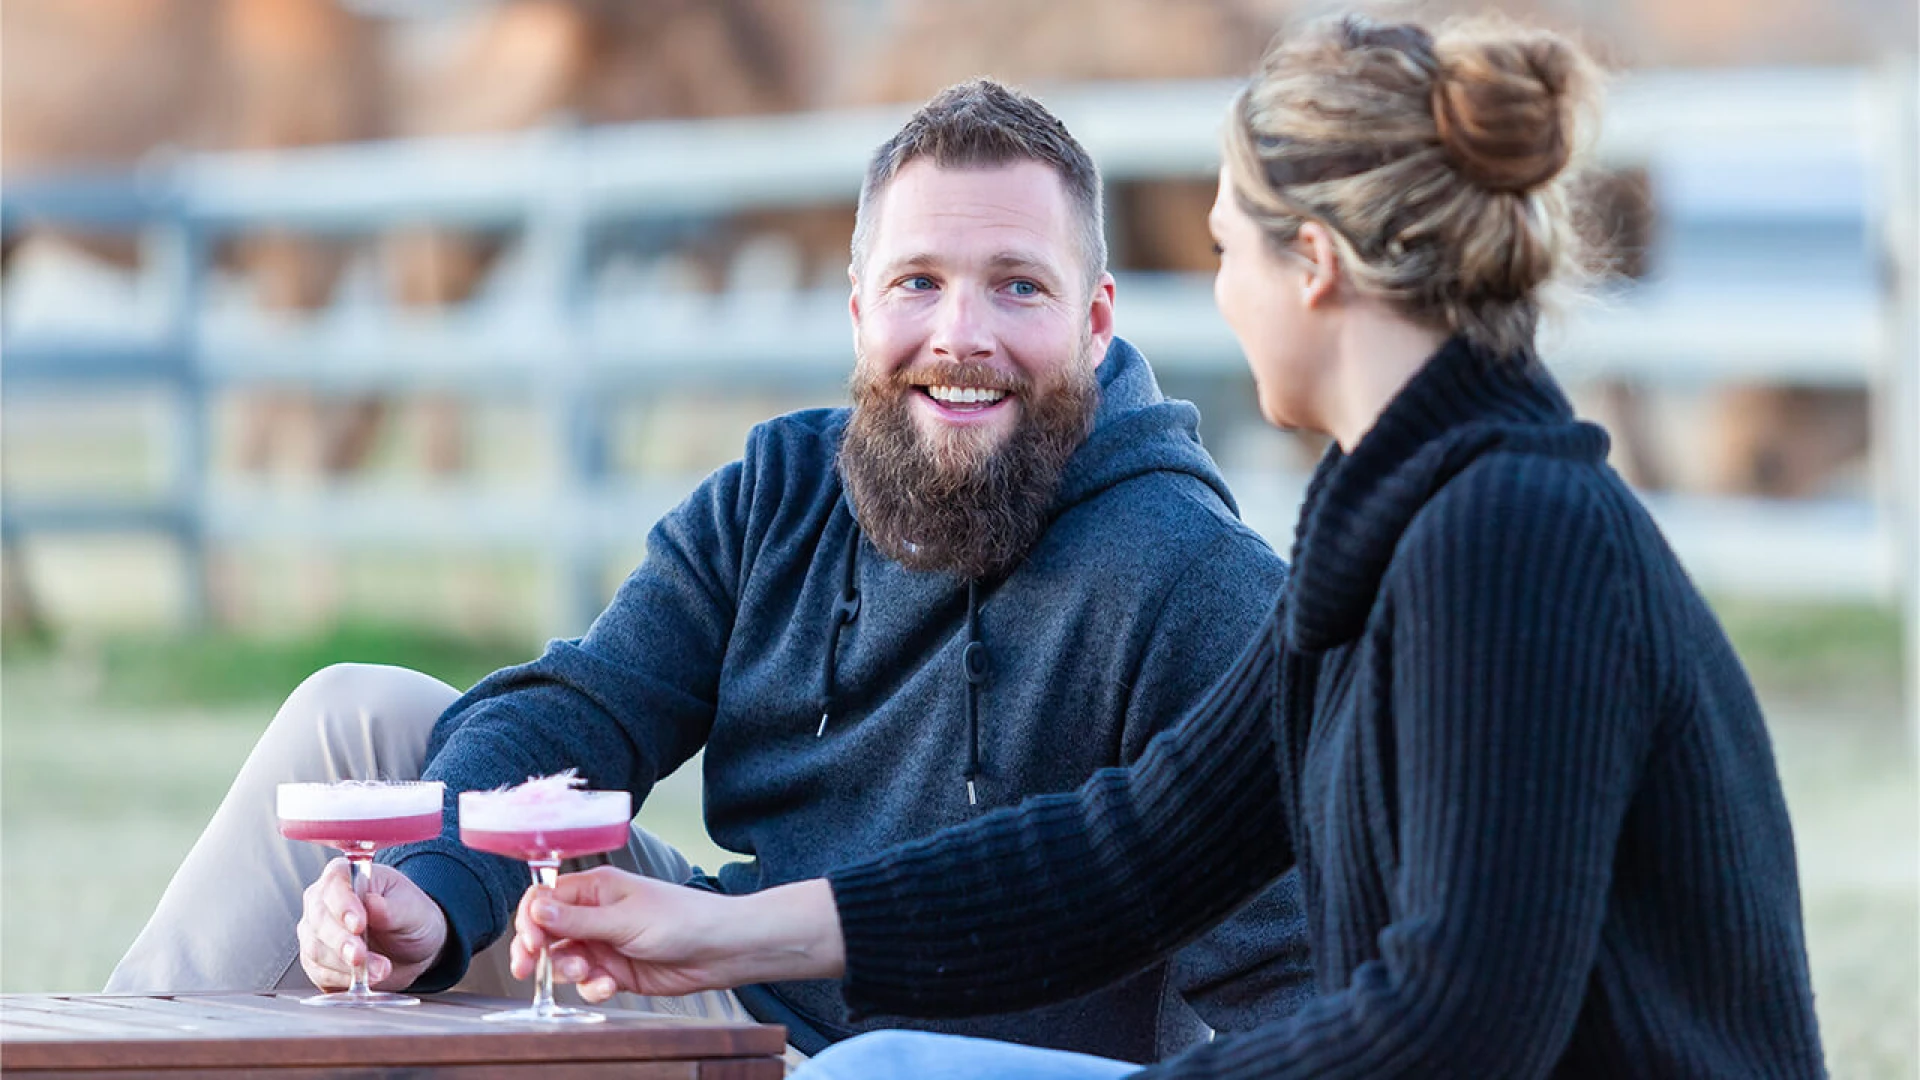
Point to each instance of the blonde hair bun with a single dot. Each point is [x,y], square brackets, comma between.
[1508,102]
[1439,162]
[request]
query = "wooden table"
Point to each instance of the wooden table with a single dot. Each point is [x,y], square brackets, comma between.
[274,1037]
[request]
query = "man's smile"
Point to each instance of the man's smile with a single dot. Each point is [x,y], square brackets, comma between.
[963,406]
[963,402]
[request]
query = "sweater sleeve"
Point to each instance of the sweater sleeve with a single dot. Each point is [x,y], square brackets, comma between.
[626,704]
[1068,892]
[1518,730]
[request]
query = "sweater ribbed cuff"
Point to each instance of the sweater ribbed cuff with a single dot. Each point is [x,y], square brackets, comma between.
[463,900]
[868,904]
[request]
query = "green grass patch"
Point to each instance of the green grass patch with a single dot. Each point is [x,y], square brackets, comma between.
[232,667]
[1853,651]
[1799,650]
[1795,649]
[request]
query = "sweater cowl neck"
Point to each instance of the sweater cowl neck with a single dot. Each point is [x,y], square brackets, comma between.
[1460,404]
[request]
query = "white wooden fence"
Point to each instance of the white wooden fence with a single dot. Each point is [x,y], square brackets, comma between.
[1786,201]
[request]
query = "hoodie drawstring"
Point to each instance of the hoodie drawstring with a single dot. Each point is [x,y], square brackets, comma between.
[845,610]
[974,663]
[973,659]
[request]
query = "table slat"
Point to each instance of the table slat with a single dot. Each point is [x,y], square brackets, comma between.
[761,1069]
[269,1035]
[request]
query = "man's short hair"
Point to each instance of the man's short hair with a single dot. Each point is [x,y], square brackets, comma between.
[983,124]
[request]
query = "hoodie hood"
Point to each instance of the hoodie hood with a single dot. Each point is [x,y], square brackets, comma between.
[1136,430]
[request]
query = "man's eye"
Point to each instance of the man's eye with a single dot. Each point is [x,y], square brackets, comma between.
[918,283]
[1025,288]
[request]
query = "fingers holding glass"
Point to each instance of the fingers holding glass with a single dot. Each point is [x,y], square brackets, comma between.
[359,819]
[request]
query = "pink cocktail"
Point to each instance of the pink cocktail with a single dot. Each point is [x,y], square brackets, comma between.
[360,818]
[541,823]
[533,845]
[369,834]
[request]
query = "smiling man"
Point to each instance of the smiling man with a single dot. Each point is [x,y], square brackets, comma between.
[981,308]
[1008,565]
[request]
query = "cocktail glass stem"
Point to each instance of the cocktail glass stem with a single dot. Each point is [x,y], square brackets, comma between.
[545,873]
[362,863]
[358,992]
[544,1009]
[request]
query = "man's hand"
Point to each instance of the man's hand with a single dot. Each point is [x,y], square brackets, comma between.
[404,929]
[611,931]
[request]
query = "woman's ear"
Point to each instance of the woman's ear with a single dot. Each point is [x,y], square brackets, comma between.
[1321,257]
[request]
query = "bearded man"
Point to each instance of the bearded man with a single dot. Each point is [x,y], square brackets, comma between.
[1009,564]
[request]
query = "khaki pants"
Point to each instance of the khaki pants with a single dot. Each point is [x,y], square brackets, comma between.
[226,921]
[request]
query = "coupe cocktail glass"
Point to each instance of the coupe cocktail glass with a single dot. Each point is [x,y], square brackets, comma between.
[360,818]
[541,823]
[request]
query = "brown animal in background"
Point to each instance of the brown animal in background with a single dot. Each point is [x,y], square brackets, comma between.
[93,86]
[98,85]
[924,45]
[921,46]
[524,63]
[521,64]
[1617,222]
[298,73]
[1758,439]
[1786,442]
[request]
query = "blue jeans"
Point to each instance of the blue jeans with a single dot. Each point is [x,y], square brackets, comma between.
[924,1055]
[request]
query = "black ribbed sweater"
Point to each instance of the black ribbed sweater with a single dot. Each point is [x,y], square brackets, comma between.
[1523,774]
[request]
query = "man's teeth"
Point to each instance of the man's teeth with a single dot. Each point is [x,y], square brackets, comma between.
[965,395]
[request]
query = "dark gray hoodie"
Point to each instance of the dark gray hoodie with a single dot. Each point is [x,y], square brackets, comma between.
[759,610]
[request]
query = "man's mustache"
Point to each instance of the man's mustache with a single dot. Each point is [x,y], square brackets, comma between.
[959,373]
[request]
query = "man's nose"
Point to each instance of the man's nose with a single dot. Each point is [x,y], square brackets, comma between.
[962,330]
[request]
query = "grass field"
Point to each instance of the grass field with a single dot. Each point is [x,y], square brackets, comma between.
[111,757]
[109,766]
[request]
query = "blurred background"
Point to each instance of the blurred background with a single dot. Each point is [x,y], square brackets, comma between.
[382,330]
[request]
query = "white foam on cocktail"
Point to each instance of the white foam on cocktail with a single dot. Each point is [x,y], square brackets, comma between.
[359,800]
[547,802]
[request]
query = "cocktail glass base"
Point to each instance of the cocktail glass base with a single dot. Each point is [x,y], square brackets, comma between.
[368,999]
[558,1014]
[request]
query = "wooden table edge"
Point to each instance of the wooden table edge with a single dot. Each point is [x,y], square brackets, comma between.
[686,1039]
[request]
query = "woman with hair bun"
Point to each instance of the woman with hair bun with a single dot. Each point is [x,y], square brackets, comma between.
[1522,771]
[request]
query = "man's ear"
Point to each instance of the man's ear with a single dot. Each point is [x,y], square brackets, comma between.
[853,299]
[1100,317]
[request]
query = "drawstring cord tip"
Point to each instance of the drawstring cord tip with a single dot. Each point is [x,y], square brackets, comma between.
[971,800]
[823,726]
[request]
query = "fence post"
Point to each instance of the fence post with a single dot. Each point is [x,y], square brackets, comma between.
[19,610]
[558,257]
[178,248]
[1899,136]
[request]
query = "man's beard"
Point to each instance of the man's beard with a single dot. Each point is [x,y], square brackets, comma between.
[955,502]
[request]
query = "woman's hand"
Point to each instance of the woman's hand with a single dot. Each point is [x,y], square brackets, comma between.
[610,931]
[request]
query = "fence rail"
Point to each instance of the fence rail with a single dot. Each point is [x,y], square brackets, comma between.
[1771,157]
